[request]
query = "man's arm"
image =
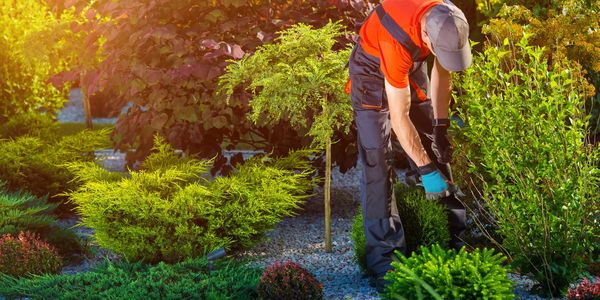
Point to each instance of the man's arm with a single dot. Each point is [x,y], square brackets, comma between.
[399,105]
[441,85]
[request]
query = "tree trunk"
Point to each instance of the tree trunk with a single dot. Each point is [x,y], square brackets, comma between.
[327,190]
[87,109]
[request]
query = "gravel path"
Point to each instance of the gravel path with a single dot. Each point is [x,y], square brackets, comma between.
[301,239]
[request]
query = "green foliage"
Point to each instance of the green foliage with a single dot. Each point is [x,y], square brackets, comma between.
[25,212]
[26,254]
[22,210]
[71,128]
[525,140]
[32,48]
[299,78]
[30,124]
[435,273]
[168,211]
[28,161]
[359,241]
[425,223]
[288,280]
[123,280]
[570,30]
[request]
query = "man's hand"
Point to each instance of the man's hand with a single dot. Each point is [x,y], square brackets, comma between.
[434,182]
[441,144]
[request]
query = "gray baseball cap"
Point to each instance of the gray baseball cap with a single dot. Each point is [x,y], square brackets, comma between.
[448,33]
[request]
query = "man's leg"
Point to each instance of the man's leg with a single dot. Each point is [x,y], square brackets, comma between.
[381,222]
[382,225]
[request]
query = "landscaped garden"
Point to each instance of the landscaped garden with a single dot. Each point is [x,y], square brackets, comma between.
[206,150]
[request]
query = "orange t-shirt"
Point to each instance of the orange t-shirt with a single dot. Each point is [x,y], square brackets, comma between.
[396,61]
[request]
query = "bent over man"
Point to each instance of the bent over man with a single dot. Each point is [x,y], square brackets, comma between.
[391,90]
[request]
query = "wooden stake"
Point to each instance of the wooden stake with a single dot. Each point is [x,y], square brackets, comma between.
[327,191]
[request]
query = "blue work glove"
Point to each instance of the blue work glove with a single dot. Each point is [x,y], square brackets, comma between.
[434,182]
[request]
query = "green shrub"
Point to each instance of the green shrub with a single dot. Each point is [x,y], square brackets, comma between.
[288,281]
[447,274]
[359,241]
[25,254]
[31,124]
[34,45]
[168,212]
[568,31]
[27,162]
[525,139]
[425,222]
[25,212]
[123,280]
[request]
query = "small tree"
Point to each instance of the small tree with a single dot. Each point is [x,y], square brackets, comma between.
[300,79]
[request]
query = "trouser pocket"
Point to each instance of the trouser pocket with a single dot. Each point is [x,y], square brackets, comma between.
[367,92]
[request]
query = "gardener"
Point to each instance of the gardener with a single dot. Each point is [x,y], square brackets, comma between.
[390,90]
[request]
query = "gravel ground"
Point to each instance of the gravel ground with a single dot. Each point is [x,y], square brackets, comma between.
[73,110]
[301,239]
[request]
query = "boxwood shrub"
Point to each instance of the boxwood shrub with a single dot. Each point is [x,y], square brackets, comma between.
[425,222]
[168,211]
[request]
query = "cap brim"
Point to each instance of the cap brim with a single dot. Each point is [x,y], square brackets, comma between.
[455,60]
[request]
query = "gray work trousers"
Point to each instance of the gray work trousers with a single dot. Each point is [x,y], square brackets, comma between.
[382,224]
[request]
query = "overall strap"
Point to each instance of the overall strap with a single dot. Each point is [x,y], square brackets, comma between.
[398,33]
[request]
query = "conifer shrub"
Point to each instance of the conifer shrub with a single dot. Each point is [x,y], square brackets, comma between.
[435,273]
[28,161]
[359,241]
[189,279]
[24,212]
[30,124]
[25,254]
[168,211]
[288,280]
[525,141]
[425,223]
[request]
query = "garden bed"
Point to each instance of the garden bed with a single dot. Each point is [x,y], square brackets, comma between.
[300,239]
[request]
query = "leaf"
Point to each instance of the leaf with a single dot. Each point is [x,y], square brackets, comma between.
[159,121]
[187,114]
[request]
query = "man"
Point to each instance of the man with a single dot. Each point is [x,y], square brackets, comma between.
[390,90]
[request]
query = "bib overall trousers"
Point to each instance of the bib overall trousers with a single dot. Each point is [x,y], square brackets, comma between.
[382,224]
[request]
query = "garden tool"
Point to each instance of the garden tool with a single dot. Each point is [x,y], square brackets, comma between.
[214,255]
